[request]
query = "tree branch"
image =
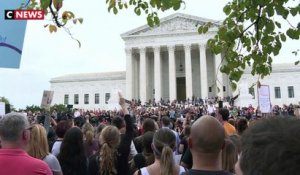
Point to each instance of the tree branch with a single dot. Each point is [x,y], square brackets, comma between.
[240,17]
[55,17]
[257,25]
[291,24]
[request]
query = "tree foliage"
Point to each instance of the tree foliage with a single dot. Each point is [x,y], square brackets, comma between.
[53,10]
[4,100]
[59,108]
[33,108]
[250,35]
[149,7]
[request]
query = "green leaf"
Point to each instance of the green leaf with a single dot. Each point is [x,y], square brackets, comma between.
[200,29]
[278,24]
[270,27]
[225,69]
[227,9]
[152,3]
[150,21]
[293,34]
[297,62]
[283,37]
[115,10]
[293,11]
[233,86]
[156,21]
[45,4]
[177,5]
[270,10]
[205,29]
[109,8]
[282,11]
[65,20]
[137,11]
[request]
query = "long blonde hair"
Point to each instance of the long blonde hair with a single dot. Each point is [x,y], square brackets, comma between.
[88,132]
[110,139]
[229,156]
[38,145]
[164,141]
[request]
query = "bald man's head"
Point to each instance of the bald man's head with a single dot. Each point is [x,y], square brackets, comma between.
[207,135]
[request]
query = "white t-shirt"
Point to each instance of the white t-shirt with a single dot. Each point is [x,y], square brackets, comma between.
[56,147]
[144,171]
[52,162]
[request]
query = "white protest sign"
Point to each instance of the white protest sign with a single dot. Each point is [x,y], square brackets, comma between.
[2,108]
[47,99]
[113,102]
[264,99]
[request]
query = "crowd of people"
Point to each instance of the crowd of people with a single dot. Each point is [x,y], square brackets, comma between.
[169,138]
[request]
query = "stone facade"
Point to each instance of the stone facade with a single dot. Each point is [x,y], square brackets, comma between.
[284,85]
[95,85]
[172,62]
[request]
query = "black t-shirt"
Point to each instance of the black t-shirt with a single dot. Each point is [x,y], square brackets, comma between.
[204,172]
[187,158]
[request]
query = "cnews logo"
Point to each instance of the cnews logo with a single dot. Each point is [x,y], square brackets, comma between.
[24,14]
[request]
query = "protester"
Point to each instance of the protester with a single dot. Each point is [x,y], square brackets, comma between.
[271,147]
[38,148]
[60,131]
[145,158]
[165,123]
[105,161]
[72,156]
[126,143]
[15,136]
[241,126]
[148,125]
[223,114]
[229,156]
[184,140]
[164,142]
[206,142]
[91,145]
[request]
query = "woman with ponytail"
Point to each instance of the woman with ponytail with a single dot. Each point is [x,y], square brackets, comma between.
[163,145]
[105,161]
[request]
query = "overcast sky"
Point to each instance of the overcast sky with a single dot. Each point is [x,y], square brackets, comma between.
[48,55]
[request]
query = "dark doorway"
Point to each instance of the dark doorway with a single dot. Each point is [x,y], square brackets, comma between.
[181,89]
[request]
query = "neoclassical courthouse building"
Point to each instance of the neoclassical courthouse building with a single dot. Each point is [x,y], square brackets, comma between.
[169,62]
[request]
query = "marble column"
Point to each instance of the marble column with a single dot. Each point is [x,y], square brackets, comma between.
[219,81]
[143,75]
[129,74]
[203,72]
[157,73]
[172,73]
[188,72]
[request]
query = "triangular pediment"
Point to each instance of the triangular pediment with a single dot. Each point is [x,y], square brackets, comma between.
[176,23]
